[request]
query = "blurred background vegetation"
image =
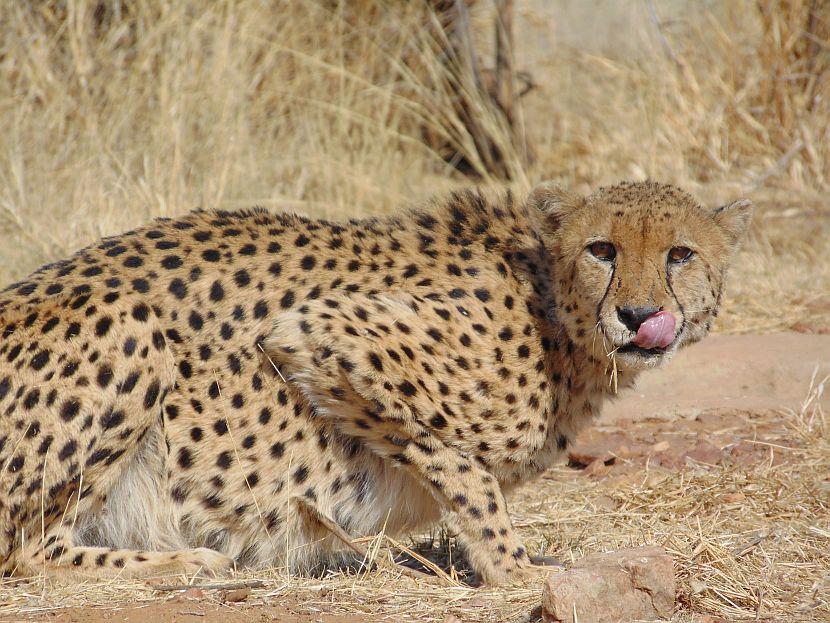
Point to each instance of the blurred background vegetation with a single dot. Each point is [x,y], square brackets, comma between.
[115,112]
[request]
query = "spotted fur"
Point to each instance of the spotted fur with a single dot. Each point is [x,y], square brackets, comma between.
[167,395]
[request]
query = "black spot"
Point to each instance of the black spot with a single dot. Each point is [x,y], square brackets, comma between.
[308,262]
[438,421]
[40,360]
[103,325]
[217,292]
[31,400]
[287,300]
[482,294]
[152,394]
[195,320]
[242,278]
[260,309]
[178,288]
[185,460]
[224,460]
[211,255]
[141,312]
[300,474]
[49,325]
[128,384]
[234,364]
[70,409]
[171,262]
[376,362]
[68,449]
[69,369]
[301,240]
[112,419]
[407,388]
[213,390]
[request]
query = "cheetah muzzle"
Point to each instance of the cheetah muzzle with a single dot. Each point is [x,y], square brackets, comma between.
[170,395]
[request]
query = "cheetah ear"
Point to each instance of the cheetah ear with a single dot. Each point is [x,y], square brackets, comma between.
[734,218]
[554,202]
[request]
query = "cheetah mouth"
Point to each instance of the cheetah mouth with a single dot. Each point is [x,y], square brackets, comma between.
[632,348]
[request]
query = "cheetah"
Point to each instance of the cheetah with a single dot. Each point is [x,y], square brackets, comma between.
[173,396]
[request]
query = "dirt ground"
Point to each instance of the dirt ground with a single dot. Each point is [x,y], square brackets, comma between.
[723,417]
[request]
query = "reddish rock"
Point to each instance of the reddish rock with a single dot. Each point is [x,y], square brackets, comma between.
[626,585]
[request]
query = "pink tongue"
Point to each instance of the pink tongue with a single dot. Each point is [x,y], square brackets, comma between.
[657,331]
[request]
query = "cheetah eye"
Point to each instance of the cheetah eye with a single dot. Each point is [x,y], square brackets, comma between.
[679,255]
[604,251]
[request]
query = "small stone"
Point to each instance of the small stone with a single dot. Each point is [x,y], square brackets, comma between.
[661,446]
[733,498]
[191,594]
[626,585]
[235,595]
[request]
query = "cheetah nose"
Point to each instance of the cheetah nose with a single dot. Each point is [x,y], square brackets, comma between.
[633,317]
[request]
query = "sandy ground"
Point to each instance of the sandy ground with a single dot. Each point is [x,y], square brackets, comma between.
[748,372]
[710,407]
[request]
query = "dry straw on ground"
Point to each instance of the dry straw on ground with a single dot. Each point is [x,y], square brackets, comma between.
[114,112]
[750,541]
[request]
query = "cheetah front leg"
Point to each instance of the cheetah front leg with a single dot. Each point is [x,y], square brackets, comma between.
[340,362]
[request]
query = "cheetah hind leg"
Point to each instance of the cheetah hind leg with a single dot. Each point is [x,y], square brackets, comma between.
[56,556]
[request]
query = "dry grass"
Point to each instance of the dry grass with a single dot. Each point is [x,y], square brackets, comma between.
[109,117]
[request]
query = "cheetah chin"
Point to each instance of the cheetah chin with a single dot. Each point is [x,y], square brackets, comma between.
[222,388]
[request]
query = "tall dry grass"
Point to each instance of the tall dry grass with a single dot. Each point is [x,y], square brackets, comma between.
[114,112]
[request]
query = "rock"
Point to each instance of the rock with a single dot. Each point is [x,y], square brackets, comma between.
[235,595]
[191,594]
[661,446]
[626,585]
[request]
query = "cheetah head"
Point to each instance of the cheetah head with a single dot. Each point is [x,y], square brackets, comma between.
[639,268]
